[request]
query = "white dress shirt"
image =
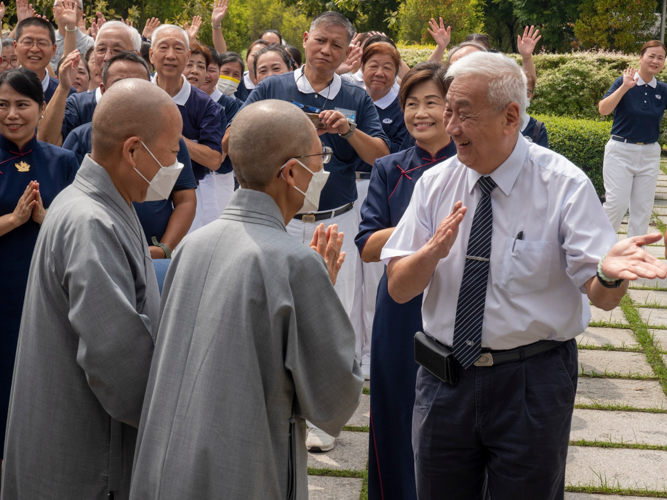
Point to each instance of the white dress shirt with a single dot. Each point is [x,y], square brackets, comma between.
[535,289]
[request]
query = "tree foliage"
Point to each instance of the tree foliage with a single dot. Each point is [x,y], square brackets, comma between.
[555,19]
[616,24]
[464,16]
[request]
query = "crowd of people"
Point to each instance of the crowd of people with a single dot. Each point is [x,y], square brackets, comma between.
[205,255]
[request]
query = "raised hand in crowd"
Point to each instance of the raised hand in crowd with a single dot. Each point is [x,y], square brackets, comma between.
[328,244]
[629,80]
[442,36]
[82,25]
[2,10]
[69,13]
[68,69]
[353,61]
[151,25]
[24,10]
[526,45]
[128,22]
[193,30]
[219,11]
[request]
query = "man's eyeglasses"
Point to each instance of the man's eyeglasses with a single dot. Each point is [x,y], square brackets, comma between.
[29,43]
[326,154]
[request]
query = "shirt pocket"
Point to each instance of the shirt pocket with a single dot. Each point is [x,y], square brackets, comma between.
[526,266]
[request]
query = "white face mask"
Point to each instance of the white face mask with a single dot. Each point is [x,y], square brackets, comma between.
[311,201]
[163,182]
[227,85]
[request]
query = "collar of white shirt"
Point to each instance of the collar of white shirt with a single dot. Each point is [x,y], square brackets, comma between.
[525,119]
[385,101]
[183,95]
[506,174]
[305,87]
[653,83]
[45,82]
[247,81]
[216,94]
[98,95]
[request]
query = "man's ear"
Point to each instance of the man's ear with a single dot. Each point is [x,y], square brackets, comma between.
[305,39]
[287,173]
[130,147]
[512,118]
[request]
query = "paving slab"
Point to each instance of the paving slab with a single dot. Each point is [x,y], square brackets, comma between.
[629,427]
[613,316]
[598,336]
[362,416]
[653,317]
[350,453]
[659,339]
[612,363]
[655,251]
[650,297]
[616,467]
[334,488]
[644,282]
[661,211]
[644,394]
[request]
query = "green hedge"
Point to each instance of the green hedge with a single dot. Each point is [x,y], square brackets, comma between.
[580,141]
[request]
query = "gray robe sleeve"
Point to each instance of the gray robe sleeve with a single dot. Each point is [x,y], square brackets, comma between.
[115,343]
[321,350]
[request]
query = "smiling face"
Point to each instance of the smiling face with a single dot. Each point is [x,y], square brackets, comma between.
[211,78]
[34,49]
[270,63]
[82,79]
[19,115]
[379,73]
[326,48]
[482,134]
[652,61]
[423,114]
[195,70]
[232,69]
[170,54]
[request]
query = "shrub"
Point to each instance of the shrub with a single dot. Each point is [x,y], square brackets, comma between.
[580,141]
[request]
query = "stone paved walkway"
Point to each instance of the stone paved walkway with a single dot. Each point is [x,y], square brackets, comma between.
[619,430]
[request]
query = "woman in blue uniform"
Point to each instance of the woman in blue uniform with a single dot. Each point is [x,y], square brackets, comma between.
[393,369]
[632,155]
[380,64]
[32,173]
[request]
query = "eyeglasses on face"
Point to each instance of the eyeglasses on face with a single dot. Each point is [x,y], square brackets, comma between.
[326,154]
[29,43]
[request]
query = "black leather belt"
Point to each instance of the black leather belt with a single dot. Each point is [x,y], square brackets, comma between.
[491,357]
[363,175]
[314,217]
[618,138]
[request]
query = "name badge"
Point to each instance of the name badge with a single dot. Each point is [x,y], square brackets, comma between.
[658,96]
[387,121]
[350,114]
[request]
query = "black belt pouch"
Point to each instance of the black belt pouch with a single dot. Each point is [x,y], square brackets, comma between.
[436,358]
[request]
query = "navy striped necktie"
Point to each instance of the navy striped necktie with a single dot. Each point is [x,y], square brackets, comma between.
[467,344]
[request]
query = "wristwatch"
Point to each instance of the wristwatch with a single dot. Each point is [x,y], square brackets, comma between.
[350,133]
[165,248]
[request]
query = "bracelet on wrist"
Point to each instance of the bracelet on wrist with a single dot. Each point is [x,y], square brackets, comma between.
[69,30]
[165,248]
[219,26]
[604,280]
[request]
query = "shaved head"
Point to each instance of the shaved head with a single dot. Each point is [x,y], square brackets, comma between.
[263,136]
[132,107]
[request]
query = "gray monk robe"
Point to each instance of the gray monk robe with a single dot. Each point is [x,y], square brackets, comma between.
[252,336]
[85,348]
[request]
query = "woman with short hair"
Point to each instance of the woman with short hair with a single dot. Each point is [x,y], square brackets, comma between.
[271,60]
[393,368]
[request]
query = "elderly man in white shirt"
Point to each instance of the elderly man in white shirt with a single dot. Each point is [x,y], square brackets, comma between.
[506,289]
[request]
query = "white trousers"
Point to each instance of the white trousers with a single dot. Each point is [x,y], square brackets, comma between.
[213,194]
[348,224]
[630,176]
[367,279]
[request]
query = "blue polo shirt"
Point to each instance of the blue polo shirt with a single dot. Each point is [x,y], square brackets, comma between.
[230,106]
[353,102]
[543,139]
[639,113]
[391,118]
[153,215]
[245,87]
[79,110]
[201,121]
[51,89]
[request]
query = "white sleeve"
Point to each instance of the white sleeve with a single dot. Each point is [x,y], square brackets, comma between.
[414,229]
[585,232]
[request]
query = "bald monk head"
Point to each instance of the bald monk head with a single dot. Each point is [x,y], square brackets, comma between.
[269,135]
[133,111]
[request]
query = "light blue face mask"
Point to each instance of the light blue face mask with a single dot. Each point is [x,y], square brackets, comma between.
[311,201]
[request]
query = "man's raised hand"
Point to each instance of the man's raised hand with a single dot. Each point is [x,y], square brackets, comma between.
[328,244]
[526,44]
[445,236]
[151,25]
[627,260]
